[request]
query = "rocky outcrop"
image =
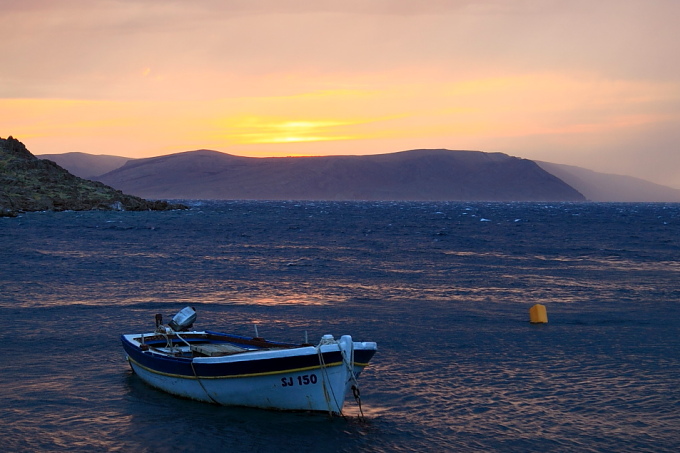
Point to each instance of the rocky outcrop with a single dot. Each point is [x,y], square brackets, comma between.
[31,184]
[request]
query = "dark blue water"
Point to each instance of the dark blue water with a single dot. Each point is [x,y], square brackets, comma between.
[444,288]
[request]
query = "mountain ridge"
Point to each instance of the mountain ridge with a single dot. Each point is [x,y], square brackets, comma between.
[605,187]
[84,165]
[595,186]
[413,175]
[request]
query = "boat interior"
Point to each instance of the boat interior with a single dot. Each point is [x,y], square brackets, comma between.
[206,344]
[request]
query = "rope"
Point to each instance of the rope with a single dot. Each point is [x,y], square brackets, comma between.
[201,383]
[324,377]
[357,397]
[355,384]
[194,370]
[349,364]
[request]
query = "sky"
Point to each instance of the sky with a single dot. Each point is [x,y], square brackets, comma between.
[595,84]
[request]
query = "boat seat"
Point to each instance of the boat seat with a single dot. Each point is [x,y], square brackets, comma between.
[217,349]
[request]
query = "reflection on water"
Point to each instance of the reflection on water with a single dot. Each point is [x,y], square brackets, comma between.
[284,299]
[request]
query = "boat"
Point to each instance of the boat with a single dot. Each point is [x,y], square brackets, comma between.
[235,370]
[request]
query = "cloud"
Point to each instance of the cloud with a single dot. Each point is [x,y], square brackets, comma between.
[95,49]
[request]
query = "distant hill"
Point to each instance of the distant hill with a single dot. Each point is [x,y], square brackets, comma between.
[606,187]
[84,165]
[31,184]
[593,185]
[426,174]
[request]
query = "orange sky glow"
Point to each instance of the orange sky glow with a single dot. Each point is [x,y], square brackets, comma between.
[592,84]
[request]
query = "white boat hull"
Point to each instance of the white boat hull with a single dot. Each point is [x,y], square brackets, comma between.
[273,379]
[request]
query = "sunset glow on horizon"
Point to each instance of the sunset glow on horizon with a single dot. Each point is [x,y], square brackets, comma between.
[592,85]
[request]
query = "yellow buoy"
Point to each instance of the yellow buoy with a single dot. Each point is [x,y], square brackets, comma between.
[538,314]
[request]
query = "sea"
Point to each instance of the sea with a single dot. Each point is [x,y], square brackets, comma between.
[444,288]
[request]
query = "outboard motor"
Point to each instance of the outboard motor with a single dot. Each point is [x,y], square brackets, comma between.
[183,320]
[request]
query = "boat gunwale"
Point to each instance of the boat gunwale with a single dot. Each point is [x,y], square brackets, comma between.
[256,355]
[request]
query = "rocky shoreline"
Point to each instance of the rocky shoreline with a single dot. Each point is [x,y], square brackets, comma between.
[29,184]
